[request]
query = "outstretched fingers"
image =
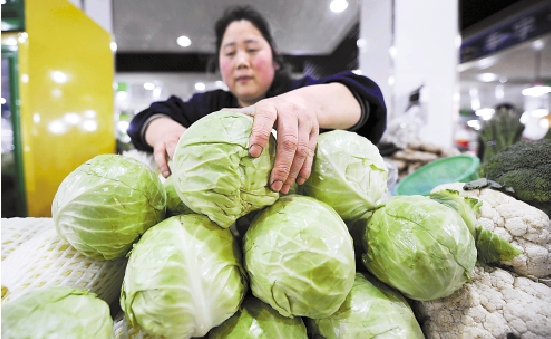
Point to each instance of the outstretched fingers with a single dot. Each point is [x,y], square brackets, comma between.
[263,123]
[160,156]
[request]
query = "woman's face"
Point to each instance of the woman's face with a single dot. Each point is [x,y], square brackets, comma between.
[246,62]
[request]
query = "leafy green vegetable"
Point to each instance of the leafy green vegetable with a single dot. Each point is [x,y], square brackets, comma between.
[526,168]
[348,174]
[57,312]
[503,130]
[371,310]
[174,204]
[417,246]
[213,172]
[490,246]
[106,203]
[299,257]
[183,278]
[467,207]
[257,320]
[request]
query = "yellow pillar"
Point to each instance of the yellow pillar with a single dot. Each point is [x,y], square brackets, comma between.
[66,72]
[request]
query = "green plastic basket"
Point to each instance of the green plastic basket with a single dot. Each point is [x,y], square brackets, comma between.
[460,168]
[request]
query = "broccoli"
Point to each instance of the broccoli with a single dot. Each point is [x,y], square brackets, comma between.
[526,168]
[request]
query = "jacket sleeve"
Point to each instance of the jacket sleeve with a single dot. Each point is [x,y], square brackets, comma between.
[368,93]
[183,112]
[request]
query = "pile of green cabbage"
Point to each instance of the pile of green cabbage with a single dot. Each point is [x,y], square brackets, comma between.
[57,312]
[213,252]
[106,203]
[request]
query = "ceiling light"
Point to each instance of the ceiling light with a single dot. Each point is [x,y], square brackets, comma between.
[537,90]
[538,45]
[149,86]
[199,86]
[338,6]
[487,77]
[485,63]
[183,41]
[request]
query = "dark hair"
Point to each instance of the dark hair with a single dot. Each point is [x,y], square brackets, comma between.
[282,79]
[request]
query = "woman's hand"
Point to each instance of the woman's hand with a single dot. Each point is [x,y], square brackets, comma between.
[163,134]
[298,116]
[297,135]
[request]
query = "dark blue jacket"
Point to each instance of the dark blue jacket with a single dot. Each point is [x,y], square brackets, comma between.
[201,104]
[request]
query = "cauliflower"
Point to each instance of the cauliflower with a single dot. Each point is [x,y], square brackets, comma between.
[524,226]
[495,304]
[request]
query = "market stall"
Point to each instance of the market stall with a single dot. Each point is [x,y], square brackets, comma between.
[339,258]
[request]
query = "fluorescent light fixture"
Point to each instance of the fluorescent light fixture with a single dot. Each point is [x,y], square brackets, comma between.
[338,6]
[149,86]
[183,41]
[537,90]
[485,63]
[538,45]
[200,86]
[487,77]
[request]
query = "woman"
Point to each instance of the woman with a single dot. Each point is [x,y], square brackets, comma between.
[298,109]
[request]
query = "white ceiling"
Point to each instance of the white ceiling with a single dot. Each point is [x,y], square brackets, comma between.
[515,67]
[299,27]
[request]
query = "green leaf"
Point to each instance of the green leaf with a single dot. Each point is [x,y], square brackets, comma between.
[492,248]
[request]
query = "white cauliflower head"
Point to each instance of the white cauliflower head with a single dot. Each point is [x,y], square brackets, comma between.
[494,304]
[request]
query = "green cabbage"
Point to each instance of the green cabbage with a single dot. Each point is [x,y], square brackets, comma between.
[257,320]
[213,172]
[371,310]
[299,257]
[348,174]
[57,312]
[183,278]
[419,246]
[174,204]
[106,203]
